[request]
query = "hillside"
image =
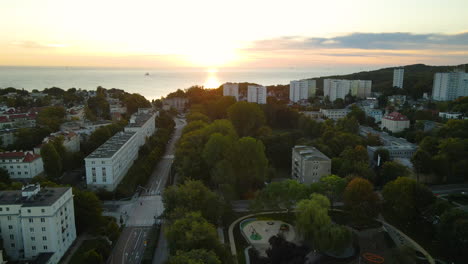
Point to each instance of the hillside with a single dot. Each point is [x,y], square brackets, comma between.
[418,78]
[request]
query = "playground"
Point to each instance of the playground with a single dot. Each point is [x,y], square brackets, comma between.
[258,232]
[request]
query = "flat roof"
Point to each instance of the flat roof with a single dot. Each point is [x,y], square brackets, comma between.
[140,119]
[111,146]
[45,197]
[309,152]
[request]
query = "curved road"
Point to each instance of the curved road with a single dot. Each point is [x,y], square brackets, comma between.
[142,212]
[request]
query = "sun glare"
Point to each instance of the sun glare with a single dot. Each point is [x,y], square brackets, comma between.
[211,56]
[212,81]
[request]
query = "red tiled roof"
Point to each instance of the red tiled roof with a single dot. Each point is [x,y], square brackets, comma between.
[395,116]
[30,157]
[26,156]
[4,119]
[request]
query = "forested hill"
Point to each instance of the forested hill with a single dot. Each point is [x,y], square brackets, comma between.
[418,78]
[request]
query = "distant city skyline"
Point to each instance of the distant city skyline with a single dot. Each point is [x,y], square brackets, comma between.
[233,34]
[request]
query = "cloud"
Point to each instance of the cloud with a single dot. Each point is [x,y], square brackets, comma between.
[37,45]
[368,41]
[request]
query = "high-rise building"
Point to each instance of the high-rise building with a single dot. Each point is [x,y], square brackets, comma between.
[361,88]
[302,90]
[398,75]
[256,94]
[449,86]
[336,89]
[37,222]
[309,164]
[231,89]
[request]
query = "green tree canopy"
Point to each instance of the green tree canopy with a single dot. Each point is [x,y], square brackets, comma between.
[52,161]
[246,117]
[392,170]
[196,256]
[51,118]
[360,200]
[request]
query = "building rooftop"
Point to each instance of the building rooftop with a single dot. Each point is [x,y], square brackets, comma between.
[387,140]
[45,197]
[308,152]
[111,146]
[138,120]
[395,116]
[19,155]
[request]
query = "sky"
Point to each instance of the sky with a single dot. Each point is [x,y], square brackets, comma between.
[215,34]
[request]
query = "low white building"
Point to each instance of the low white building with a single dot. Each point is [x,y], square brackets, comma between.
[309,164]
[37,221]
[108,164]
[231,89]
[21,164]
[335,114]
[257,94]
[143,123]
[395,122]
[451,115]
[8,137]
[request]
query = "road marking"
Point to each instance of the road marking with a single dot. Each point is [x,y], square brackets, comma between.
[139,235]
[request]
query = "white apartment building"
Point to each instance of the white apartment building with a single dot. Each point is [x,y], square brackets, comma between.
[108,164]
[257,94]
[309,164]
[8,137]
[178,103]
[335,89]
[231,89]
[37,221]
[395,122]
[71,140]
[335,114]
[451,115]
[302,90]
[143,123]
[21,165]
[398,75]
[361,88]
[449,86]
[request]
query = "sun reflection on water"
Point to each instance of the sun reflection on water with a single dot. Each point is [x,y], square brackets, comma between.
[212,80]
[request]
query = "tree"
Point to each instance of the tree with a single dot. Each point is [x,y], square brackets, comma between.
[348,124]
[194,116]
[384,155]
[4,176]
[193,196]
[360,200]
[283,195]
[392,170]
[246,117]
[52,161]
[196,256]
[333,187]
[405,200]
[422,162]
[453,234]
[99,107]
[51,117]
[92,257]
[88,210]
[135,101]
[190,232]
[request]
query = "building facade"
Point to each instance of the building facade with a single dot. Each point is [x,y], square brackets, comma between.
[37,221]
[335,114]
[336,89]
[21,165]
[257,94]
[309,164]
[143,123]
[395,122]
[449,86]
[361,88]
[302,90]
[71,140]
[398,75]
[231,89]
[177,103]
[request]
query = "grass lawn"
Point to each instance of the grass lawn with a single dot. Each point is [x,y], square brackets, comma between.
[85,246]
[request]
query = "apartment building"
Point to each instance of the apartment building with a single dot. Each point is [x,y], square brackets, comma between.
[361,88]
[335,114]
[21,164]
[395,122]
[8,136]
[37,222]
[143,123]
[309,164]
[398,75]
[257,94]
[178,103]
[449,86]
[336,89]
[231,89]
[71,140]
[301,90]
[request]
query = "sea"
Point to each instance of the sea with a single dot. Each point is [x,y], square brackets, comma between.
[152,83]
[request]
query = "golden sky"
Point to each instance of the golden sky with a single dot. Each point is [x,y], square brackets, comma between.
[241,33]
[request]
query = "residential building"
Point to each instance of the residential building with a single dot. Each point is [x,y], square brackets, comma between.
[231,89]
[395,122]
[396,100]
[451,115]
[178,103]
[398,75]
[302,90]
[449,86]
[257,94]
[118,108]
[8,136]
[71,140]
[313,114]
[37,221]
[336,89]
[309,164]
[143,123]
[335,114]
[361,88]
[398,148]
[21,165]
[76,113]
[108,164]
[377,114]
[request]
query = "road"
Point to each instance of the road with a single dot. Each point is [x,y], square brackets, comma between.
[141,212]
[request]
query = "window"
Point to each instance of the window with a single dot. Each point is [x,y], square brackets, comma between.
[9,217]
[33,238]
[12,237]
[10,227]
[11,167]
[19,173]
[104,178]
[44,238]
[45,247]
[93,162]
[1,209]
[42,220]
[25,166]
[18,167]
[31,220]
[33,247]
[94,177]
[26,172]
[8,208]
[103,162]
[43,229]
[43,210]
[29,210]
[12,245]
